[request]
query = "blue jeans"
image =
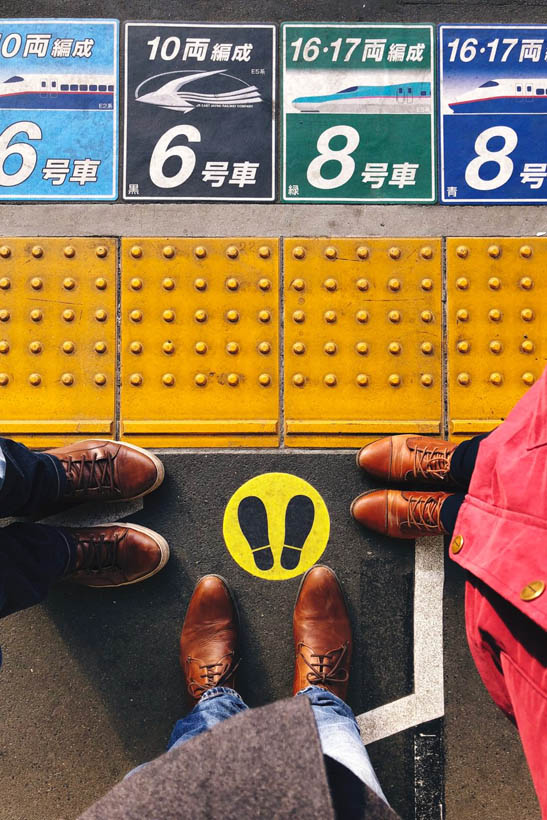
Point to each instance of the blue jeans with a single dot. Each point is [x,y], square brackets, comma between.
[336,724]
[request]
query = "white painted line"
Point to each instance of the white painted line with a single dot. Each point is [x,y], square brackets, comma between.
[427,702]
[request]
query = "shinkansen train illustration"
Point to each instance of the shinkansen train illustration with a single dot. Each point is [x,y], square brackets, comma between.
[505,96]
[402,98]
[72,91]
[209,89]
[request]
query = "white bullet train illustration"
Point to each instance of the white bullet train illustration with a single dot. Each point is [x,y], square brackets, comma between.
[507,96]
[68,91]
[209,89]
[400,98]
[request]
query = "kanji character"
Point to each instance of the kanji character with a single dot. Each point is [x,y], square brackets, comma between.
[374,50]
[61,48]
[415,53]
[534,174]
[85,170]
[195,47]
[242,54]
[83,48]
[376,173]
[221,52]
[531,50]
[215,173]
[244,173]
[36,44]
[56,170]
[396,53]
[403,174]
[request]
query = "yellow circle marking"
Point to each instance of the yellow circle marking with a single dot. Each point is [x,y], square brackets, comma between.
[275,491]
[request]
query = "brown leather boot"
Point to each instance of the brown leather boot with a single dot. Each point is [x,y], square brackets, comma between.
[408,458]
[101,470]
[116,555]
[322,633]
[208,643]
[400,513]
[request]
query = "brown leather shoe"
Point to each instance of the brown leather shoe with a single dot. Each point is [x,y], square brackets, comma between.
[116,555]
[408,458]
[208,643]
[400,513]
[322,633]
[101,470]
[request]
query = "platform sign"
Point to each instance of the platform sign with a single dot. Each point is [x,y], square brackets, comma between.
[493,107]
[58,109]
[199,112]
[358,113]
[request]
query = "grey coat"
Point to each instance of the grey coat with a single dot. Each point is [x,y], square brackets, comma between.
[264,763]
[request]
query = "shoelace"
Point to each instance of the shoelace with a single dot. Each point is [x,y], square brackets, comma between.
[423,513]
[97,552]
[91,473]
[328,667]
[214,674]
[431,462]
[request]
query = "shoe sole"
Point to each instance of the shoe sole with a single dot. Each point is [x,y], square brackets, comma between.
[160,541]
[160,469]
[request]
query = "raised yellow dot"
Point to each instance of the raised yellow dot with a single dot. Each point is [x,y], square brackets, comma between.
[232,316]
[200,252]
[462,283]
[101,251]
[494,283]
[527,346]
[36,283]
[330,348]
[494,251]
[4,346]
[36,315]
[426,316]
[527,315]
[330,284]
[200,316]
[330,380]
[264,316]
[526,283]
[298,316]
[5,252]
[264,252]
[136,379]
[298,379]
[264,284]
[426,379]
[232,252]
[101,315]
[362,284]
[200,284]
[136,251]
[69,251]
[299,284]
[363,252]
[201,348]
[136,315]
[330,316]
[100,347]
[496,379]
[168,283]
[37,251]
[298,348]
[426,284]
[495,346]
[67,379]
[394,284]
[4,379]
[331,252]
[232,347]
[462,251]
[168,315]
[200,379]
[35,379]
[136,284]
[528,378]
[232,379]
[100,379]
[462,315]
[168,251]
[168,347]
[394,347]
[464,379]
[264,348]
[427,348]
[35,347]
[361,348]
[168,379]
[394,380]
[494,315]
[5,315]
[232,284]
[5,283]
[264,379]
[394,316]
[100,283]
[394,253]
[362,316]
[426,252]
[299,252]
[69,284]
[463,347]
[362,379]
[135,347]
[526,251]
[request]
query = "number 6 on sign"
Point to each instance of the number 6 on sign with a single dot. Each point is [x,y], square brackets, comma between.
[341,155]
[23,149]
[162,153]
[500,157]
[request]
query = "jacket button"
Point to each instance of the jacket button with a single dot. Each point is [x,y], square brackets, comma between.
[457,544]
[532,590]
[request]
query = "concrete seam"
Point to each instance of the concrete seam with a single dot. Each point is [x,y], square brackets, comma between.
[281,247]
[444,337]
[118,362]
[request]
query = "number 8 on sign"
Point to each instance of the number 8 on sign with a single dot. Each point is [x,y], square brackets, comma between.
[501,157]
[341,155]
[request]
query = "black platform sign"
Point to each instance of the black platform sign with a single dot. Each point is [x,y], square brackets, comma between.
[199,112]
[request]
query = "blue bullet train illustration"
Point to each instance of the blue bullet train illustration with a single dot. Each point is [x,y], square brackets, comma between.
[505,96]
[57,91]
[399,98]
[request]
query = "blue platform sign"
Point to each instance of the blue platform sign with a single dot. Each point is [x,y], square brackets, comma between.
[493,107]
[58,109]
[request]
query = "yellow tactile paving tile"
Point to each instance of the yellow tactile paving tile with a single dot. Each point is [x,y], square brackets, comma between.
[200,342]
[57,338]
[497,326]
[363,323]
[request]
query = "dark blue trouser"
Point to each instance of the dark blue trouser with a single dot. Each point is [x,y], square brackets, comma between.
[32,556]
[461,470]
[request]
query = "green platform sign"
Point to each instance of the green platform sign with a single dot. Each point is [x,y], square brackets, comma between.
[358,113]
